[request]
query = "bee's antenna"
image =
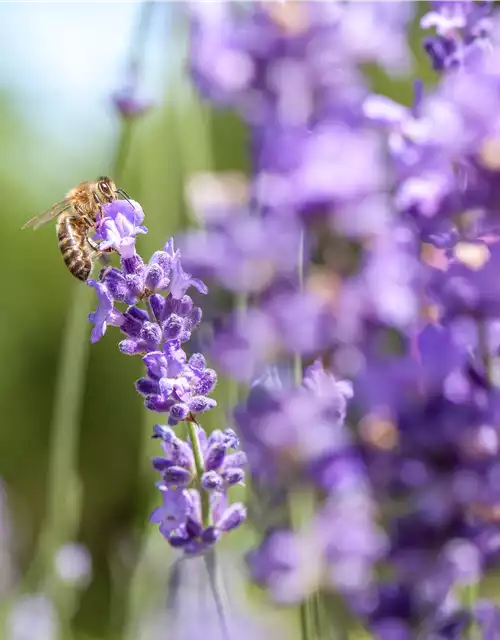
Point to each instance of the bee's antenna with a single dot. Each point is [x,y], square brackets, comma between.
[126,196]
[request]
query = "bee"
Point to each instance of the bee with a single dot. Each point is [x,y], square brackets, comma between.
[77,218]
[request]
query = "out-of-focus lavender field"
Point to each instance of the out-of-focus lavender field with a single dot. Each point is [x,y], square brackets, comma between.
[273,410]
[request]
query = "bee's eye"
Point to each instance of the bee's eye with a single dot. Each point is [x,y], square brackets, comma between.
[104,187]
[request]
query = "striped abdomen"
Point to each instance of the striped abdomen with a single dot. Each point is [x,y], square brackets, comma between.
[76,253]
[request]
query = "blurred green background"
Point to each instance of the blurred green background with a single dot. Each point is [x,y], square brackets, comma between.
[60,64]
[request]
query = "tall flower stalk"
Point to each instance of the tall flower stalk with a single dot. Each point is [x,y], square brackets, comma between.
[197,473]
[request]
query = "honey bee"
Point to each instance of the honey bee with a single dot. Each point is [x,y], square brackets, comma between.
[77,217]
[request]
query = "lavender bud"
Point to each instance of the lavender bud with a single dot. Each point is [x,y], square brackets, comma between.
[154,276]
[158,403]
[206,382]
[184,305]
[173,327]
[132,347]
[215,457]
[116,284]
[193,528]
[194,317]
[131,326]
[135,285]
[200,404]
[146,386]
[234,476]
[151,333]
[211,481]
[231,439]
[176,477]
[179,412]
[156,364]
[216,437]
[137,313]
[157,303]
[237,459]
[165,433]
[210,535]
[160,464]
[133,265]
[162,259]
[232,517]
[197,361]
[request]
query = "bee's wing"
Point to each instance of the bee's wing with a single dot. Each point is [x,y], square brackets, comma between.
[48,215]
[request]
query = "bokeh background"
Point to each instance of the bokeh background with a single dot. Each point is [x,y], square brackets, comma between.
[74,436]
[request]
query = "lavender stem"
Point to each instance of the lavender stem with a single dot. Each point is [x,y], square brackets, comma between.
[192,427]
[217,591]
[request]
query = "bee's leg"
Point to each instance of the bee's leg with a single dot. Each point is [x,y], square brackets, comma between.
[97,249]
[88,221]
[93,244]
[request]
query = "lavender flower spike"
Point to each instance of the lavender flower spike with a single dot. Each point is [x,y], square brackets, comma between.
[119,225]
[195,476]
[182,520]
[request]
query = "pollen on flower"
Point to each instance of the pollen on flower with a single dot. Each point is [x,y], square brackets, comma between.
[379,432]
[489,153]
[471,254]
[290,15]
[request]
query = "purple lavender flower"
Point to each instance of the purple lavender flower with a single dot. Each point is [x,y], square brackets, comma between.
[462,30]
[469,288]
[297,431]
[243,252]
[287,322]
[129,104]
[180,517]
[195,477]
[338,549]
[105,313]
[487,613]
[119,225]
[176,386]
[181,280]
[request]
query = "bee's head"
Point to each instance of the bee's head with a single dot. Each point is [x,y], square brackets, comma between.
[106,189]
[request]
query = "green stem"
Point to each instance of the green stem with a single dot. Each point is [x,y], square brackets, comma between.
[192,428]
[484,350]
[297,359]
[63,487]
[217,589]
[470,591]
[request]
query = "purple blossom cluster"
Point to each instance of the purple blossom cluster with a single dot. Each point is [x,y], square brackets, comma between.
[181,517]
[368,247]
[196,475]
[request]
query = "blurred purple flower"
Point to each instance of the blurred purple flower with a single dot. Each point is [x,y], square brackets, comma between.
[129,104]
[297,431]
[462,30]
[469,287]
[288,322]
[32,617]
[337,549]
[73,564]
[244,252]
[487,614]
